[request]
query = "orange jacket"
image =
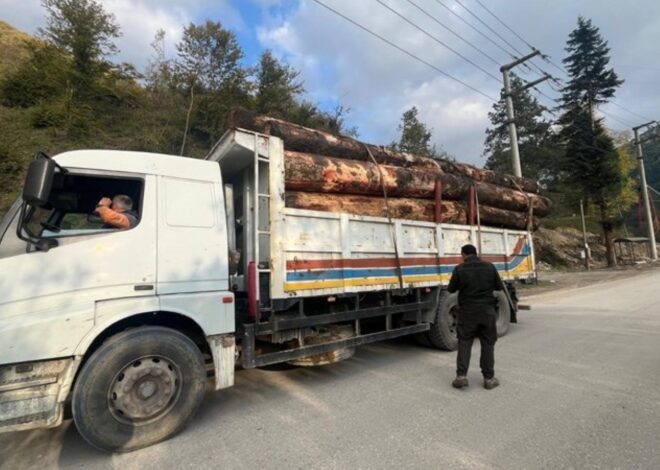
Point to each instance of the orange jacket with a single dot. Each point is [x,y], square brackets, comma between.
[114,218]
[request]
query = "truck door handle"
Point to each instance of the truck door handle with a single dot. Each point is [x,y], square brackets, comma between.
[143,287]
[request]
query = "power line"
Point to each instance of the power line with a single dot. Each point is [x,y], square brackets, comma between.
[504,24]
[460,2]
[401,49]
[646,118]
[619,119]
[614,103]
[623,108]
[546,58]
[488,27]
[413,24]
[488,38]
[612,116]
[454,33]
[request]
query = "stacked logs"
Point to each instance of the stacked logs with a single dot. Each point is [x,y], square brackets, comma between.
[340,174]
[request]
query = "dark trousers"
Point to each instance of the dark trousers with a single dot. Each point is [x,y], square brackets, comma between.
[476,322]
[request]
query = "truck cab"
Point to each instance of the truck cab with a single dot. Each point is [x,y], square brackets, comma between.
[69,283]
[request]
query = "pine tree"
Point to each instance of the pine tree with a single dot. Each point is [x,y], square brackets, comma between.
[591,164]
[536,141]
[591,81]
[415,136]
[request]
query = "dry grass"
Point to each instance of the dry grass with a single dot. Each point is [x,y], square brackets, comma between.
[13,47]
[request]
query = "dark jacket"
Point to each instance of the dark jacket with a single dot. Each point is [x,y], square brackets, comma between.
[475,280]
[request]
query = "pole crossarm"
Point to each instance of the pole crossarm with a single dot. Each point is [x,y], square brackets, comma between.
[649,138]
[520,61]
[643,125]
[536,82]
[528,85]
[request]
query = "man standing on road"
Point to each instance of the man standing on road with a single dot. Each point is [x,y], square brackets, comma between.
[476,282]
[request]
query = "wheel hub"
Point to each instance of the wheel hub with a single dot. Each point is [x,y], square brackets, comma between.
[144,390]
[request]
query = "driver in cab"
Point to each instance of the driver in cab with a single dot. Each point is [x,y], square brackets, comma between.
[117,212]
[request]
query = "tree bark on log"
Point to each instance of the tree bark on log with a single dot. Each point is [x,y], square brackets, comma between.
[315,173]
[303,139]
[453,212]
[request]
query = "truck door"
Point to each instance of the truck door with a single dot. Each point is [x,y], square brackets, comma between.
[192,237]
[47,298]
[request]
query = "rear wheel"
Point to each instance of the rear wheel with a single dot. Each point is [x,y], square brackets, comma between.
[503,314]
[140,387]
[442,334]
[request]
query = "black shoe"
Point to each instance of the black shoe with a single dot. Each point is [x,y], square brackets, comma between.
[490,384]
[460,381]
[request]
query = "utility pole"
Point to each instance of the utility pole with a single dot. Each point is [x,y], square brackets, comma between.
[508,95]
[645,191]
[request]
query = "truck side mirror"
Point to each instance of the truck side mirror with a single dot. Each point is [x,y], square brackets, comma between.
[45,244]
[39,181]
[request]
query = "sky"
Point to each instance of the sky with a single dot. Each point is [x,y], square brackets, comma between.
[344,65]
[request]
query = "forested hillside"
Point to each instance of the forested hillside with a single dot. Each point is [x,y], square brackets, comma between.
[56,96]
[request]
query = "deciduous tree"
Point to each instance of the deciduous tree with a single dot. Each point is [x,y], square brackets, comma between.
[278,86]
[85,30]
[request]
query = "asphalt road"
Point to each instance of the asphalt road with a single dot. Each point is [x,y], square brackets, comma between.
[580,389]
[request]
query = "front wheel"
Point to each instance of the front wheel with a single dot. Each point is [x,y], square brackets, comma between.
[140,387]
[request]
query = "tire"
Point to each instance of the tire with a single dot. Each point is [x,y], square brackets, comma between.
[140,387]
[503,314]
[442,334]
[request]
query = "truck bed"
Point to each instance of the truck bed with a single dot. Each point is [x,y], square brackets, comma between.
[322,253]
[309,253]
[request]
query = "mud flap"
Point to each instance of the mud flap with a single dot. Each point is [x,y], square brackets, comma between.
[32,394]
[223,348]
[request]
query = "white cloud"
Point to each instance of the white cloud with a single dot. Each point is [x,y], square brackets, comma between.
[139,24]
[139,21]
[339,61]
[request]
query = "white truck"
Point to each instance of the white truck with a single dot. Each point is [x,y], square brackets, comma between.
[124,326]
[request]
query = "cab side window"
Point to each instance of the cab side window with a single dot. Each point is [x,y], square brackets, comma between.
[85,204]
